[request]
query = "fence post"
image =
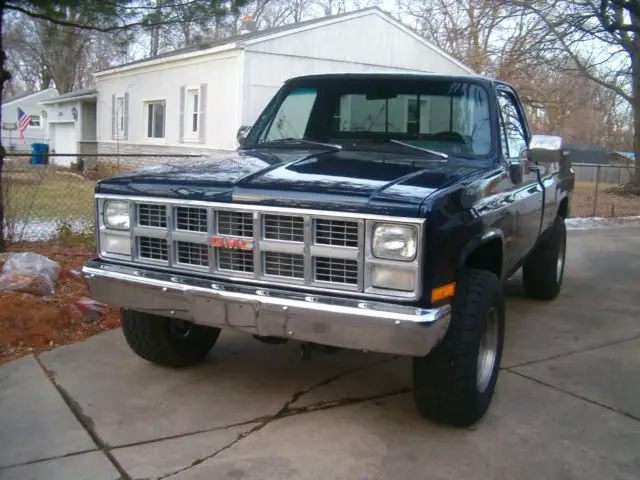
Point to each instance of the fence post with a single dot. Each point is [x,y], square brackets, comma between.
[595,197]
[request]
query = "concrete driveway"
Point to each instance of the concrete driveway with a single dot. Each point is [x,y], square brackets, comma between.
[567,403]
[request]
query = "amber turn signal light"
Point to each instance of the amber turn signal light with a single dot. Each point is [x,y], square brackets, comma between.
[443,292]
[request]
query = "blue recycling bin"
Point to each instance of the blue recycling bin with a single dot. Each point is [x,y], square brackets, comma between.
[39,154]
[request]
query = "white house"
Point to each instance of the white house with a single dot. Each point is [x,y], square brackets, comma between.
[71,119]
[36,132]
[195,99]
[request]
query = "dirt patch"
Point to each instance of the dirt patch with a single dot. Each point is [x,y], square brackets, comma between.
[610,203]
[31,323]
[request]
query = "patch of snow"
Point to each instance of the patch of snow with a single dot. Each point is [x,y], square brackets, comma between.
[587,223]
[38,230]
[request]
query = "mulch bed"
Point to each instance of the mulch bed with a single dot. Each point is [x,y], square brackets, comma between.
[32,323]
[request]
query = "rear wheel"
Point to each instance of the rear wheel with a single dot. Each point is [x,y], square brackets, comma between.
[543,271]
[454,383]
[167,341]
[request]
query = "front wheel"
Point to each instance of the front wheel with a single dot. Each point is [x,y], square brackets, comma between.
[167,341]
[454,383]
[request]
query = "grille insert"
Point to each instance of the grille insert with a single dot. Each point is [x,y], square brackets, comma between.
[287,265]
[238,224]
[235,260]
[152,215]
[152,248]
[192,253]
[284,227]
[336,270]
[191,219]
[337,233]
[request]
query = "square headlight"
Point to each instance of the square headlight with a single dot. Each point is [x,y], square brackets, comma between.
[395,242]
[116,214]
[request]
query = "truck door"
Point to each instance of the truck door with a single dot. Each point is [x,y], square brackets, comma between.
[527,190]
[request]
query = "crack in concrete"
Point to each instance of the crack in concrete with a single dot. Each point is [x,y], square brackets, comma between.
[576,395]
[84,420]
[287,411]
[572,352]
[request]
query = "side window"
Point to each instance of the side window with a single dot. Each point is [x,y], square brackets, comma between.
[512,126]
[293,116]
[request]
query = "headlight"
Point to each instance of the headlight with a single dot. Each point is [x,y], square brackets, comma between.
[393,278]
[395,242]
[116,214]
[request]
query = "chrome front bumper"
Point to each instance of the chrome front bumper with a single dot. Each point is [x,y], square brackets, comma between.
[348,323]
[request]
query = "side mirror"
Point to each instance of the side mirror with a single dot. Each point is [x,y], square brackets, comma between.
[242,134]
[545,149]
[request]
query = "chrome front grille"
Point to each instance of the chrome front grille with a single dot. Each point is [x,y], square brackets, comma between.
[338,233]
[336,270]
[191,253]
[288,265]
[237,224]
[191,219]
[278,248]
[152,215]
[283,227]
[235,260]
[153,248]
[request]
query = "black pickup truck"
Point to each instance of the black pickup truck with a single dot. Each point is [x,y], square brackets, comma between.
[378,212]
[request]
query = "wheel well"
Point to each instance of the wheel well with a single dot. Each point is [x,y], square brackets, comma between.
[487,256]
[563,210]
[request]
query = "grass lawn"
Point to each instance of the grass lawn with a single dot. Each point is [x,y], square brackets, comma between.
[48,194]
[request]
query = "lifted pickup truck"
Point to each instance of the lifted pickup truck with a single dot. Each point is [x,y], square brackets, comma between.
[378,212]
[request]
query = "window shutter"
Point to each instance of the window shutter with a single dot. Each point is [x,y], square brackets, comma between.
[182,113]
[202,121]
[113,116]
[126,116]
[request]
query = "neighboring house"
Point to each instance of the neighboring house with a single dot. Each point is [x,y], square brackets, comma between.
[34,133]
[72,124]
[622,158]
[195,99]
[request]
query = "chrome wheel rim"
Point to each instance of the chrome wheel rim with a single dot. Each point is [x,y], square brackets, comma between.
[488,350]
[560,263]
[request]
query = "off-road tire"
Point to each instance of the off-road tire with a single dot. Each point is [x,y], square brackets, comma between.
[446,385]
[542,274]
[154,338]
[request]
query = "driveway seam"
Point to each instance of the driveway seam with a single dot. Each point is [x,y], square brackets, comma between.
[84,420]
[48,459]
[575,395]
[288,411]
[572,352]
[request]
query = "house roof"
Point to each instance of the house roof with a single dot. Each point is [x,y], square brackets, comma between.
[91,92]
[24,96]
[587,154]
[250,37]
[628,155]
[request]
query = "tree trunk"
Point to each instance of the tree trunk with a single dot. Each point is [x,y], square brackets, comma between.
[635,72]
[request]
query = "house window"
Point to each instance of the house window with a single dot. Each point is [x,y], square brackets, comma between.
[155,119]
[120,116]
[193,113]
[35,121]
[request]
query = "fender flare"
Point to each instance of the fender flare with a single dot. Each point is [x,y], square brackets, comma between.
[480,240]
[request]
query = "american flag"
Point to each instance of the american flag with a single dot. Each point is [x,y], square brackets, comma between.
[24,120]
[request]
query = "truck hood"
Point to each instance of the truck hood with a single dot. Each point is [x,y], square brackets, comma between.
[356,181]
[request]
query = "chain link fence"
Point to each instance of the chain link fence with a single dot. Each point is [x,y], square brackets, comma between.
[45,200]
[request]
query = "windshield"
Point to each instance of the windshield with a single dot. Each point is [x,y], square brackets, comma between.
[442,115]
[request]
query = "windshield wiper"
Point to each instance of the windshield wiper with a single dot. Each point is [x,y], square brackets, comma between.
[432,152]
[300,140]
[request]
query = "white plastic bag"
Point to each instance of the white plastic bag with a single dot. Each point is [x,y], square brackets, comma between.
[30,273]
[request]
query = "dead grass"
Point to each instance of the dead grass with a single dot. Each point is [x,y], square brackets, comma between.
[31,323]
[609,204]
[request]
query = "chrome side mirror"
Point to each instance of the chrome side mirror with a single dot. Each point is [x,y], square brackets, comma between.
[545,149]
[241,135]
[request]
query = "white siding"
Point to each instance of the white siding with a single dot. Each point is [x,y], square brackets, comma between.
[31,105]
[369,43]
[163,82]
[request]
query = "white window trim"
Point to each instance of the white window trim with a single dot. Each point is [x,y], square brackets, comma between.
[33,127]
[145,113]
[187,134]
[119,116]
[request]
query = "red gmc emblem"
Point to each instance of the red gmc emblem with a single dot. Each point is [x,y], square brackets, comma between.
[235,243]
